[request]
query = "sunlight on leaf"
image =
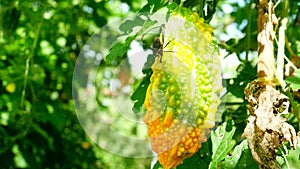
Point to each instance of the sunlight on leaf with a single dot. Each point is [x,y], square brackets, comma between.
[240,158]
[294,81]
[222,143]
[293,159]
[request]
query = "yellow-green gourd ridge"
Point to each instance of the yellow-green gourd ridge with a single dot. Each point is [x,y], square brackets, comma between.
[182,97]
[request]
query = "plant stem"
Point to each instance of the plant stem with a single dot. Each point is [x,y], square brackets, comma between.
[249,30]
[265,66]
[28,64]
[280,53]
[281,43]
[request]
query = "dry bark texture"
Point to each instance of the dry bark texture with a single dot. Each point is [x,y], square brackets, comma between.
[266,129]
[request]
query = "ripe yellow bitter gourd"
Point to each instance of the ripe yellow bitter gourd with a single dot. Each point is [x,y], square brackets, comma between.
[182,97]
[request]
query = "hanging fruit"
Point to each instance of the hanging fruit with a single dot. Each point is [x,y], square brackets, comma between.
[182,97]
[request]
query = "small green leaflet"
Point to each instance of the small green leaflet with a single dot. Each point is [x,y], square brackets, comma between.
[294,81]
[241,158]
[222,143]
[119,49]
[128,25]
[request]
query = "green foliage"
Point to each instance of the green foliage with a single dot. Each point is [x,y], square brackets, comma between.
[241,158]
[236,85]
[222,143]
[39,45]
[293,158]
[213,151]
[201,159]
[138,97]
[157,166]
[40,42]
[118,51]
[294,81]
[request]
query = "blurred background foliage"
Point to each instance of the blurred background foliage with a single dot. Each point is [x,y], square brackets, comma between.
[40,42]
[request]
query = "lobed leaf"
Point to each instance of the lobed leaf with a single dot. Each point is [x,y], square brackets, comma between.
[240,158]
[222,143]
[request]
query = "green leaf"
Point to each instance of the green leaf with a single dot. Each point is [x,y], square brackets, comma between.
[210,10]
[201,159]
[128,25]
[119,49]
[140,93]
[156,4]
[293,159]
[138,97]
[236,85]
[241,158]
[295,80]
[157,165]
[99,20]
[222,143]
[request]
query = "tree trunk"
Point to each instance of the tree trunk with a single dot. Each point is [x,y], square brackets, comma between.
[266,129]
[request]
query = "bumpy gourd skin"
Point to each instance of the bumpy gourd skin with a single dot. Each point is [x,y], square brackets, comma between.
[182,97]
